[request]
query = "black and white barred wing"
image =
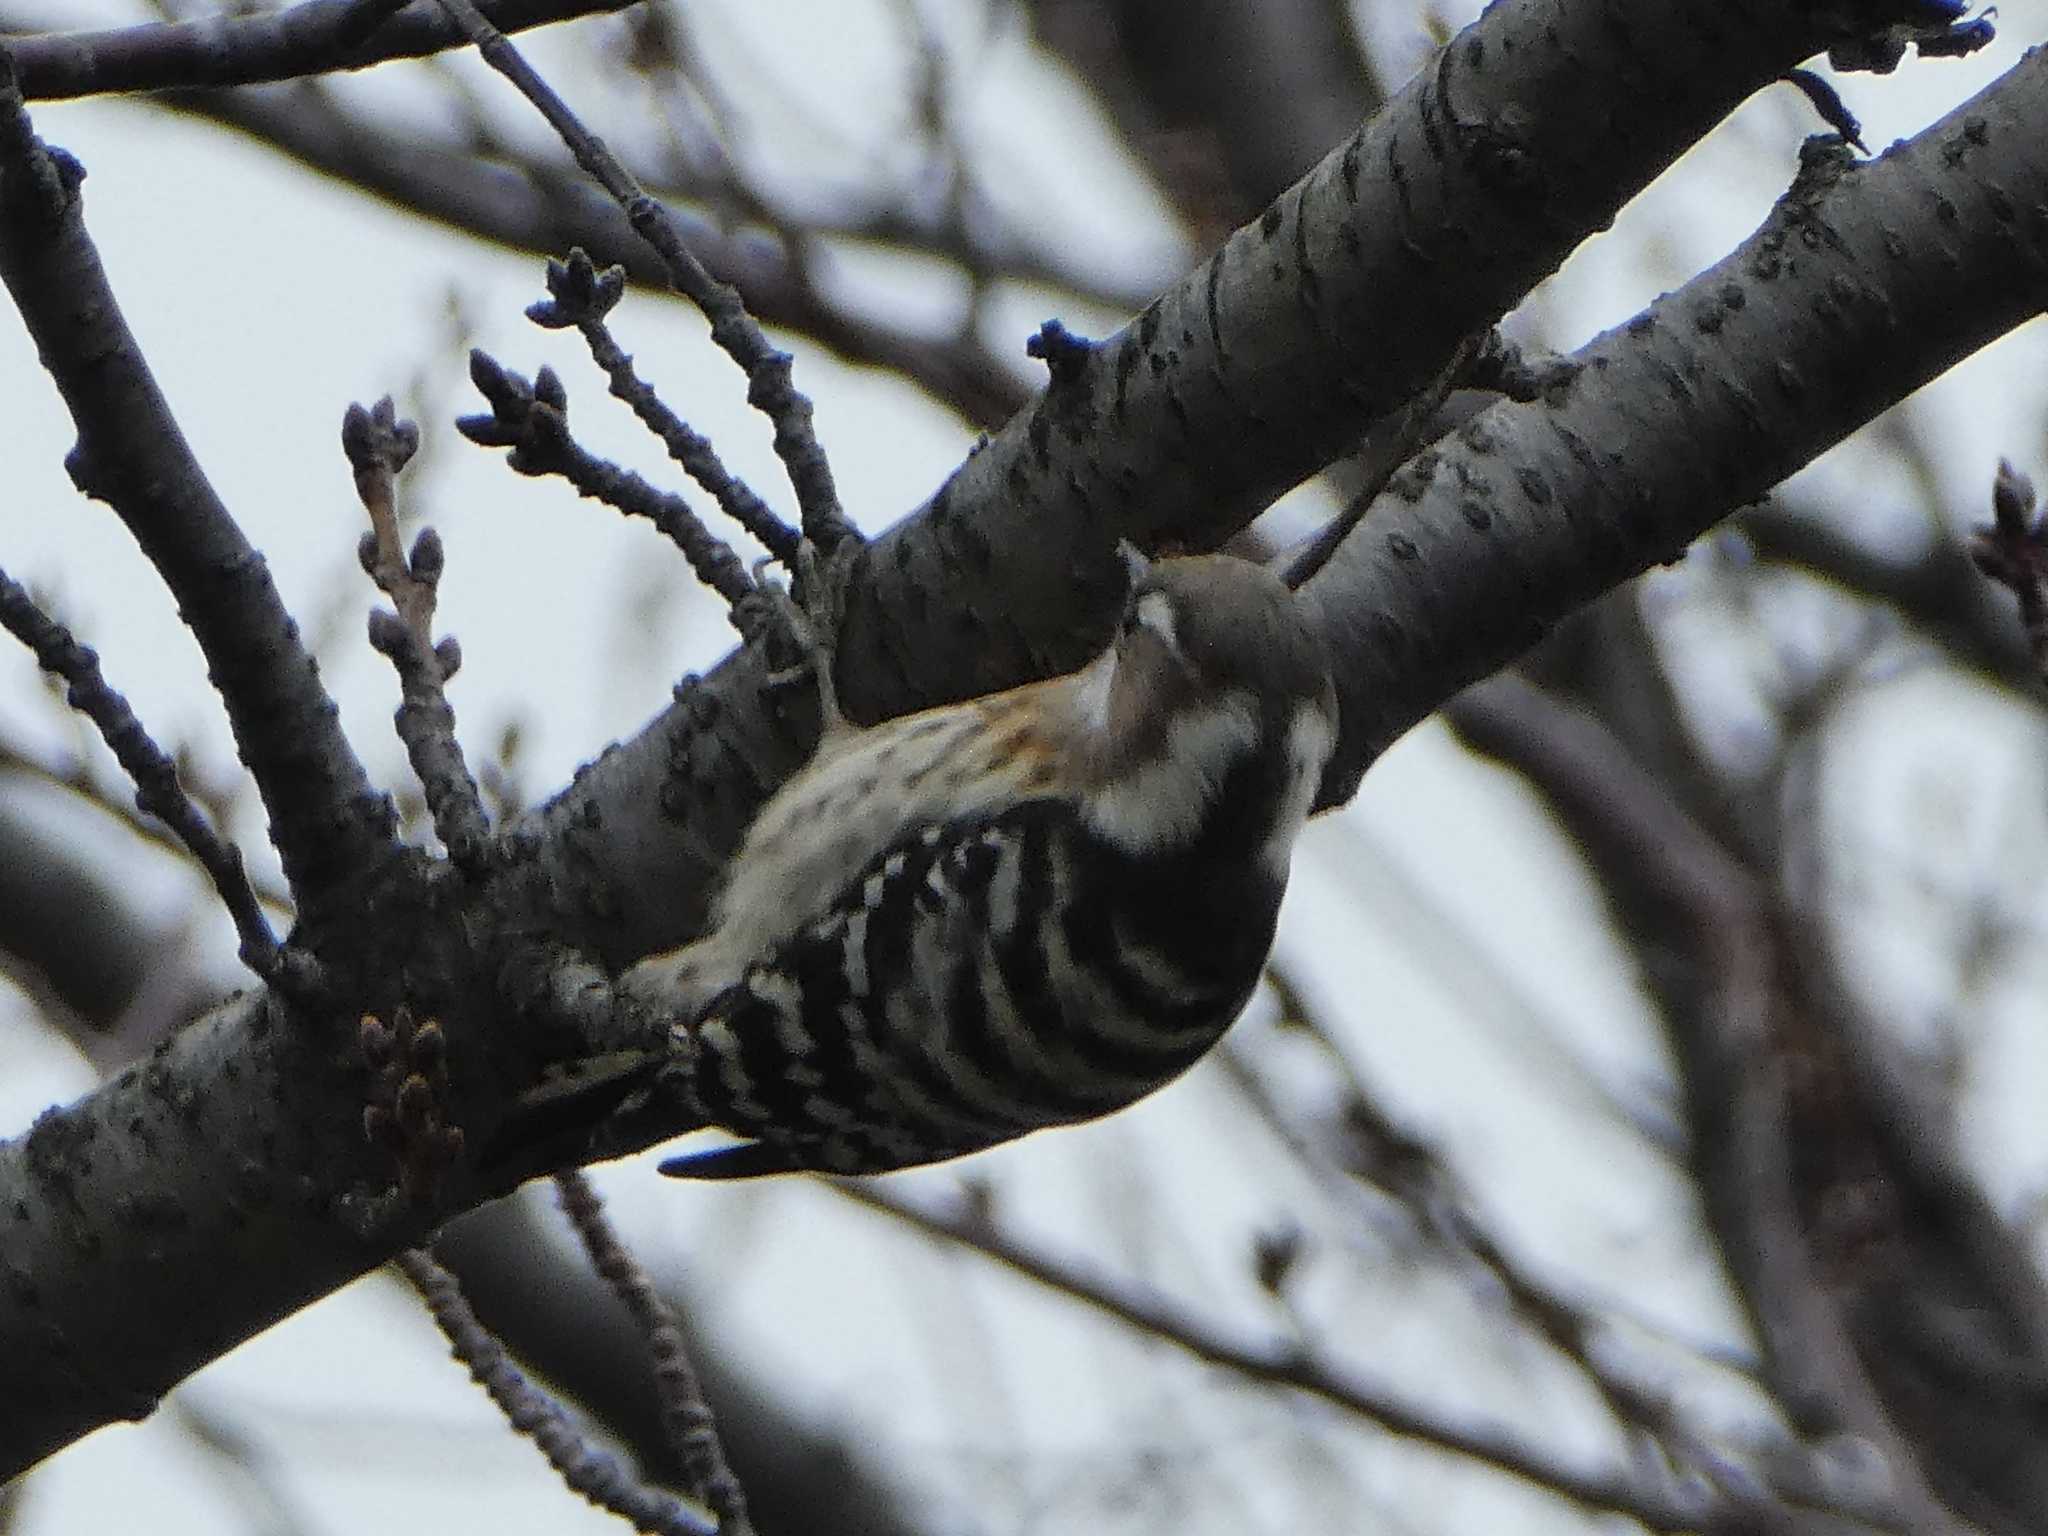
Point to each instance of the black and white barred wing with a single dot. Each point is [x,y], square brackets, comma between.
[989,977]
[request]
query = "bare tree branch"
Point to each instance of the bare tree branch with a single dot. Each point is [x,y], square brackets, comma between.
[1938,590]
[547,209]
[1829,313]
[1781,1134]
[110,975]
[1530,511]
[770,389]
[328,824]
[690,1426]
[581,296]
[157,791]
[1665,1504]
[583,1466]
[314,37]
[2012,550]
[1504,125]
[530,418]
[378,446]
[801,1476]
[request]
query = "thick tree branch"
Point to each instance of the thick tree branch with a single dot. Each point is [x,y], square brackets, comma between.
[1866,281]
[112,979]
[223,1144]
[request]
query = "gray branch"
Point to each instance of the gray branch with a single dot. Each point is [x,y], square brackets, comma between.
[327,822]
[312,38]
[238,1152]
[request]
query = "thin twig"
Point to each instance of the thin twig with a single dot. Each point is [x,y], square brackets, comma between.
[587,1470]
[1379,1151]
[1286,1363]
[962,229]
[157,790]
[532,420]
[241,1460]
[1408,1171]
[527,202]
[685,1415]
[769,386]
[2013,551]
[378,446]
[1390,444]
[77,777]
[1714,935]
[580,295]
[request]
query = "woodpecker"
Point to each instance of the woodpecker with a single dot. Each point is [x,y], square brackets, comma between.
[1024,910]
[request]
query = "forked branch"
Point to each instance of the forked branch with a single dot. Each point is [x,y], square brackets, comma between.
[328,824]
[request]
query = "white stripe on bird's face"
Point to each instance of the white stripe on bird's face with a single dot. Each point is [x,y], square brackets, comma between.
[1310,740]
[1158,801]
